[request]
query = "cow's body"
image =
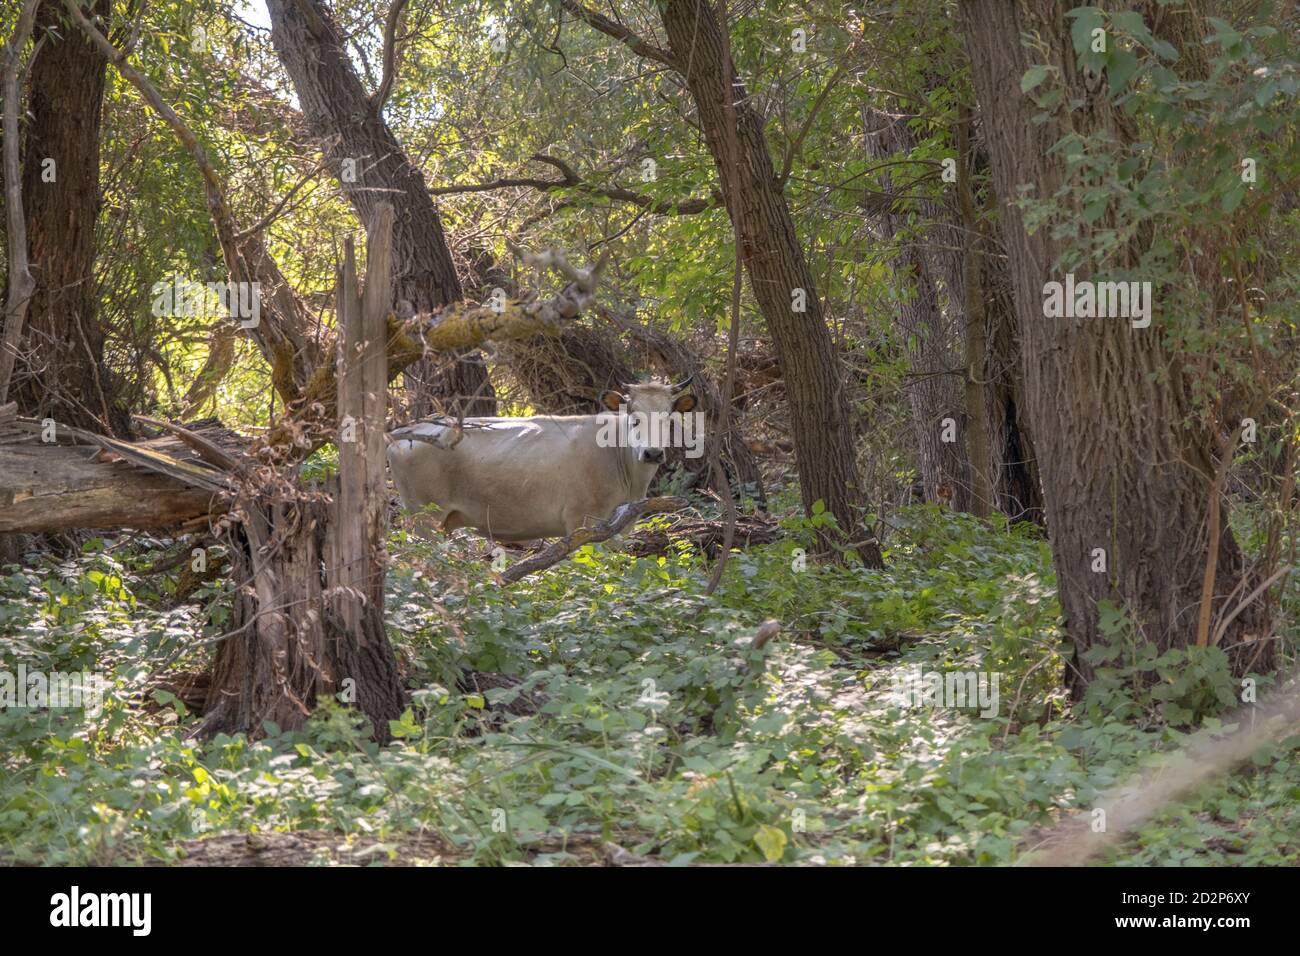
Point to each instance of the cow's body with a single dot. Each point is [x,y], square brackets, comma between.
[516,479]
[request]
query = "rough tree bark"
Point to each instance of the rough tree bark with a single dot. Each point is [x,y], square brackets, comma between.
[779,275]
[310,621]
[933,336]
[18,275]
[364,156]
[62,374]
[1015,479]
[976,322]
[1126,465]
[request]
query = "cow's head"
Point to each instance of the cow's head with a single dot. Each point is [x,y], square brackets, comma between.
[649,405]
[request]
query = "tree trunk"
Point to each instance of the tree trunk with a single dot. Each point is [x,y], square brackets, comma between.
[934,336]
[939,416]
[61,373]
[1015,480]
[779,276]
[977,414]
[311,620]
[1126,479]
[937,347]
[371,167]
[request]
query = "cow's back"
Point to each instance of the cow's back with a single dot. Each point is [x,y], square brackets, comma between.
[510,478]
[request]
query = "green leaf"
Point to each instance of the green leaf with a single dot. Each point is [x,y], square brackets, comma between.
[1233,197]
[1086,20]
[1095,210]
[1165,50]
[1120,70]
[771,840]
[1130,21]
[1033,77]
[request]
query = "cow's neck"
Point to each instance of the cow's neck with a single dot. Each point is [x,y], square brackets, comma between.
[635,475]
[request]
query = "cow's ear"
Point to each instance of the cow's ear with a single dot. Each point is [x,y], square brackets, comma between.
[612,399]
[684,403]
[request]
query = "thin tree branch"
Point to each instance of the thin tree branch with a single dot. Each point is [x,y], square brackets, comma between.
[624,515]
[1229,618]
[636,44]
[390,57]
[733,333]
[271,216]
[796,144]
[21,283]
[571,180]
[1212,549]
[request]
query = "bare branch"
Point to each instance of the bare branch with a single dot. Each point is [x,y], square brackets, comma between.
[636,44]
[209,451]
[571,180]
[733,332]
[1131,803]
[554,553]
[390,57]
[271,216]
[796,144]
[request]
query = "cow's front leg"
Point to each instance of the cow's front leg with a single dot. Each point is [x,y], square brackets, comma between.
[586,513]
[423,522]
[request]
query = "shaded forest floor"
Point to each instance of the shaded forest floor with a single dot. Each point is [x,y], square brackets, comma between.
[639,726]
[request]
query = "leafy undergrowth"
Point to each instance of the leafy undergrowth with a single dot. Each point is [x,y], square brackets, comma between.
[643,718]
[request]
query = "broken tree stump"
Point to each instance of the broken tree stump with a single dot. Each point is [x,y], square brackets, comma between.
[310,620]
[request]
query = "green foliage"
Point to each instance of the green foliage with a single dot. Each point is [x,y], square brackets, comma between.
[654,724]
[639,711]
[1200,175]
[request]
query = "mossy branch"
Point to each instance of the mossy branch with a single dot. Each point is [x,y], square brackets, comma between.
[311,421]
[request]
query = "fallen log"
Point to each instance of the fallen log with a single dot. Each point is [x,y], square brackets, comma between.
[144,485]
[56,487]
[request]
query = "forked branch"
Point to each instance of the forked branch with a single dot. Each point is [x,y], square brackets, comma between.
[623,516]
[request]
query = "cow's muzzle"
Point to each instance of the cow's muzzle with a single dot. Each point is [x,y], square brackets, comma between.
[652,455]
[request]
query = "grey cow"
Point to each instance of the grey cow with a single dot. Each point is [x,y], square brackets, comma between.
[516,479]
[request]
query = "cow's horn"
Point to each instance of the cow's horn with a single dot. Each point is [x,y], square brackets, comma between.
[684,384]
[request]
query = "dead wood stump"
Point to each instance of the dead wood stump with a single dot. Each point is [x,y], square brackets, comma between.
[309,613]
